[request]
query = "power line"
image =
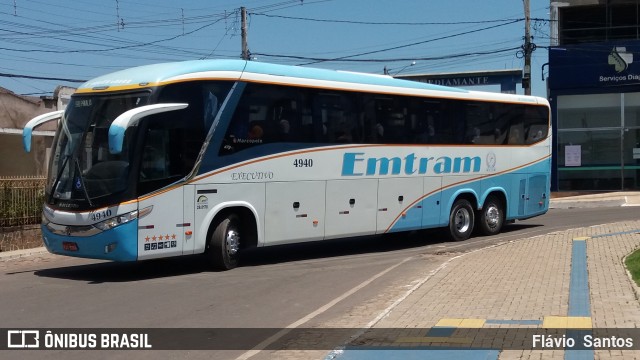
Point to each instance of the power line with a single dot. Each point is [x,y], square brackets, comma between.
[443,57]
[113,48]
[40,78]
[415,43]
[383,23]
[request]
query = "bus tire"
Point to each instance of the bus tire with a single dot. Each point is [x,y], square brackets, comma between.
[491,217]
[461,220]
[224,244]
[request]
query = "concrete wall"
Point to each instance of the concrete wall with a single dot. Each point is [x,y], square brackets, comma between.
[14,161]
[15,112]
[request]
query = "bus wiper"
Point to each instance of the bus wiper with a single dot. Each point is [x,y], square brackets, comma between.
[84,188]
[58,176]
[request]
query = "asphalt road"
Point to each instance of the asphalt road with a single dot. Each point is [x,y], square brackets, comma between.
[286,286]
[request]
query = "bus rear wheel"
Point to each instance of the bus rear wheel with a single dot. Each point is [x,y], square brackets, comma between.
[461,220]
[224,244]
[491,217]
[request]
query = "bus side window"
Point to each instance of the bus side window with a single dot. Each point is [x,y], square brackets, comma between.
[172,141]
[335,112]
[284,119]
[211,107]
[306,125]
[514,115]
[247,126]
[482,123]
[269,114]
[425,119]
[366,119]
[536,124]
[165,157]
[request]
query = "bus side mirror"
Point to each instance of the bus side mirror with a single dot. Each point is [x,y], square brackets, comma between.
[38,120]
[131,118]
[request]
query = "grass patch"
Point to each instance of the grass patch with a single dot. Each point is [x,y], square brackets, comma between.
[633,265]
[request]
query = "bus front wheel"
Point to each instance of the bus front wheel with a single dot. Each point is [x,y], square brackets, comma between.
[461,220]
[224,243]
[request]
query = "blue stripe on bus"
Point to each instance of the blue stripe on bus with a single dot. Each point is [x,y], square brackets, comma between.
[447,196]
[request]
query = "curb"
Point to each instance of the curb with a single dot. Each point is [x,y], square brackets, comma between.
[16,254]
[570,204]
[597,200]
[636,288]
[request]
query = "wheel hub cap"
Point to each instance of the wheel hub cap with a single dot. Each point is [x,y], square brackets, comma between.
[232,242]
[462,220]
[492,216]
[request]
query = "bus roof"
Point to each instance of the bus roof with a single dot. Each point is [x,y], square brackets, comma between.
[160,74]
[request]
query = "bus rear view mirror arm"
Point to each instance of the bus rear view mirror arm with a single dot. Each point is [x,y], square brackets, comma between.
[131,118]
[38,120]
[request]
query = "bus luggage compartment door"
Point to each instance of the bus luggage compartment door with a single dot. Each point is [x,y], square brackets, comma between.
[395,209]
[294,211]
[537,195]
[351,207]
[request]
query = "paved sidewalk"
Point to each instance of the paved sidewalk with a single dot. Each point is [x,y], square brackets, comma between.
[489,303]
[527,285]
[564,280]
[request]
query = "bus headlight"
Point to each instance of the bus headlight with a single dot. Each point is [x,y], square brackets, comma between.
[122,219]
[44,220]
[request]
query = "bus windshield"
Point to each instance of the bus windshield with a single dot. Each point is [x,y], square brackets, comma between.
[82,170]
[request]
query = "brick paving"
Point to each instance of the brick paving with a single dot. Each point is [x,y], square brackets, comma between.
[516,285]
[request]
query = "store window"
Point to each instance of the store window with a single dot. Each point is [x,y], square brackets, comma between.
[632,109]
[588,111]
[589,160]
[598,142]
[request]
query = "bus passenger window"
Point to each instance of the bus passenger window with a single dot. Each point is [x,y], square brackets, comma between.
[268,114]
[334,111]
[536,124]
[392,120]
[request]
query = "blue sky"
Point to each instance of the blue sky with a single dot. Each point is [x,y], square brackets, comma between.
[81,39]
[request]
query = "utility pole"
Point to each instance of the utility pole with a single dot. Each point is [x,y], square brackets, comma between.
[243,33]
[528,48]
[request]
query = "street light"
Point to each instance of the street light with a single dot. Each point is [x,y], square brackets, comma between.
[387,71]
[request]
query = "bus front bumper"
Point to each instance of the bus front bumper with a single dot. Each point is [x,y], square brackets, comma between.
[117,244]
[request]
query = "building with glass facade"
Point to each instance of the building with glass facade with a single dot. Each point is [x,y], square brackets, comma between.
[594,89]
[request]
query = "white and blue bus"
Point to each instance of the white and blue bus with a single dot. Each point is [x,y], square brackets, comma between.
[222,155]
